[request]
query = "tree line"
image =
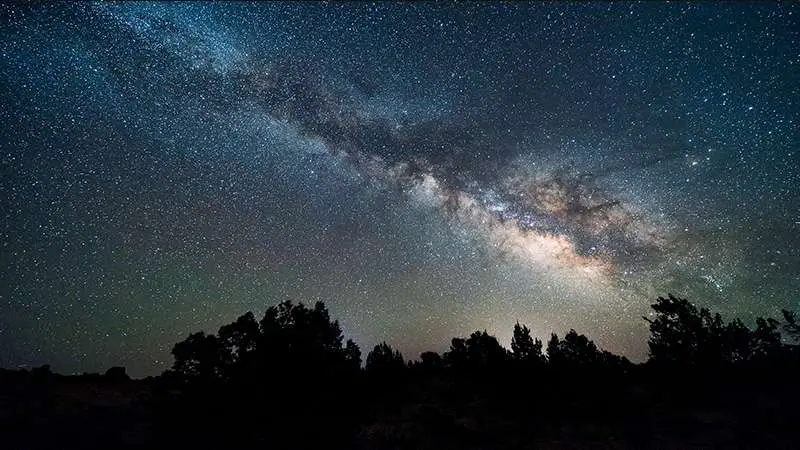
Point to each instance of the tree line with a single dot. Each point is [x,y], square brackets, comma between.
[293,338]
[291,380]
[308,386]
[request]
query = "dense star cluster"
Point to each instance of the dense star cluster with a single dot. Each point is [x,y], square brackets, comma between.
[423,169]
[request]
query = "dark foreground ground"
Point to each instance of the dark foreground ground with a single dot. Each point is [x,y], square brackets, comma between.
[551,411]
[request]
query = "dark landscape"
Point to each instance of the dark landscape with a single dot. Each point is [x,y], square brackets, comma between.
[289,381]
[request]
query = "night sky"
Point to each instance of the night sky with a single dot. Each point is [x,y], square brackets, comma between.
[426,170]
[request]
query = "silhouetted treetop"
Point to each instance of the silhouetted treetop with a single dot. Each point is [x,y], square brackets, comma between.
[352,354]
[524,348]
[301,328]
[574,350]
[116,374]
[430,361]
[201,357]
[480,350]
[383,359]
[241,337]
[791,326]
[766,338]
[291,338]
[681,334]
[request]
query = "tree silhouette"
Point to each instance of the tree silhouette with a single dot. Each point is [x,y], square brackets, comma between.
[241,337]
[524,348]
[288,371]
[352,354]
[792,326]
[480,351]
[384,360]
[683,335]
[298,339]
[430,361]
[735,341]
[574,350]
[290,339]
[553,350]
[116,374]
[679,334]
[200,358]
[457,357]
[766,339]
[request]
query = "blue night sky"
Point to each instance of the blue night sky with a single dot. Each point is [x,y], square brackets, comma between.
[426,170]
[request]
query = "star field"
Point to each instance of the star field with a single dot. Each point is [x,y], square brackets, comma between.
[424,169]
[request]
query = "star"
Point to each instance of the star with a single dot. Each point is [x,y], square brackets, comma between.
[168,167]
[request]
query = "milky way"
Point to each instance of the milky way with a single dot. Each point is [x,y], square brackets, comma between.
[424,169]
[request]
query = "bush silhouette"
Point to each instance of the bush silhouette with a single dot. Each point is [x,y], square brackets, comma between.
[116,375]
